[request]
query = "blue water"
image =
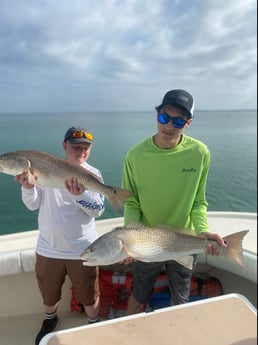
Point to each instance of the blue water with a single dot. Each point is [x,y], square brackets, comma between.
[230,136]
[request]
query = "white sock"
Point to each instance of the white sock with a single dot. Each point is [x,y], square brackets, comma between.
[93,319]
[51,316]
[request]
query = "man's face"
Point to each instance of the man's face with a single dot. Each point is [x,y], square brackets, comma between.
[77,153]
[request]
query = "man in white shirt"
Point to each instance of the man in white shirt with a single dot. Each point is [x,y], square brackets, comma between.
[66,223]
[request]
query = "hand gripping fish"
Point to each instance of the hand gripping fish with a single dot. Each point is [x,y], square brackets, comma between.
[158,244]
[51,171]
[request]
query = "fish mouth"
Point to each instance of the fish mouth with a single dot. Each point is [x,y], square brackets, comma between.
[85,260]
[89,263]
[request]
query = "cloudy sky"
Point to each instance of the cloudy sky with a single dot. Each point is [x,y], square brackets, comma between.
[111,55]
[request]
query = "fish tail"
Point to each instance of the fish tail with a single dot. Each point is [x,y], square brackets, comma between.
[234,249]
[117,197]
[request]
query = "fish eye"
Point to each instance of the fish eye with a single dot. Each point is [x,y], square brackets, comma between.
[92,250]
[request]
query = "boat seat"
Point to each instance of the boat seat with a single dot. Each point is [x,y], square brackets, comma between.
[24,261]
[17,261]
[250,263]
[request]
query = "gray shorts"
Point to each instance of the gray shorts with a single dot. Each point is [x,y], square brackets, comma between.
[145,275]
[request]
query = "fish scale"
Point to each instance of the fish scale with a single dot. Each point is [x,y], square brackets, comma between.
[159,245]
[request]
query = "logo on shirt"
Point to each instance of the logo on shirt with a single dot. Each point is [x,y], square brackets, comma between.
[188,170]
[90,206]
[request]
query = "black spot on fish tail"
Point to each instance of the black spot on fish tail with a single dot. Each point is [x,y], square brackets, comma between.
[118,197]
[234,249]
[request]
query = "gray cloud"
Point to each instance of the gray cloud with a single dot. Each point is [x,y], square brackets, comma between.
[90,55]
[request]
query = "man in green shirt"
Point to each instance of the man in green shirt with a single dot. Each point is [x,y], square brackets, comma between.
[167,173]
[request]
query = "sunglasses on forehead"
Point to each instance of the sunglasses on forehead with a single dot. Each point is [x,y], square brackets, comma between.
[177,122]
[81,134]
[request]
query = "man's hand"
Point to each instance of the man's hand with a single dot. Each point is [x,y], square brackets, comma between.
[213,250]
[23,179]
[127,261]
[73,186]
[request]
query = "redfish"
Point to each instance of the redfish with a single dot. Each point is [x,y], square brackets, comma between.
[51,171]
[158,244]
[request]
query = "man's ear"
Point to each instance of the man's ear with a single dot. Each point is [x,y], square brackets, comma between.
[188,123]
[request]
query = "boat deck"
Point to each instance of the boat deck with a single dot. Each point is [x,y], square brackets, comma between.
[23,329]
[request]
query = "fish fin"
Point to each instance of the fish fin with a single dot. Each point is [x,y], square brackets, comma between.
[186,261]
[31,178]
[121,257]
[128,252]
[134,224]
[83,170]
[117,197]
[234,249]
[131,254]
[25,163]
[176,229]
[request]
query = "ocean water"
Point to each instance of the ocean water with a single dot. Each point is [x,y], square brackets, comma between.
[230,136]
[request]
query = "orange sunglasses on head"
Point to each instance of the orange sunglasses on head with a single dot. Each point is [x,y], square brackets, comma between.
[81,134]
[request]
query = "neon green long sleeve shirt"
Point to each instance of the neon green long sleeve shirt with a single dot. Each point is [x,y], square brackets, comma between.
[169,184]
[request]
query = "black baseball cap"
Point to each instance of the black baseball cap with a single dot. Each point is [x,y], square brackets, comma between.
[77,135]
[180,98]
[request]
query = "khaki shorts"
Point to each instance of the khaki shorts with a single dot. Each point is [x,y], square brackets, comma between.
[51,275]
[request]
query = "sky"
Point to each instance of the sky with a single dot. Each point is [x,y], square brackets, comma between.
[113,55]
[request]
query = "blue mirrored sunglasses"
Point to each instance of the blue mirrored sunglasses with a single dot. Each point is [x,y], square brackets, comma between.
[177,122]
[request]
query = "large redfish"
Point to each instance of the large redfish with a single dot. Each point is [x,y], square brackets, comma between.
[51,171]
[158,244]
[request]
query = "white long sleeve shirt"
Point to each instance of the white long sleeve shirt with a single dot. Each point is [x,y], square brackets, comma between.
[66,222]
